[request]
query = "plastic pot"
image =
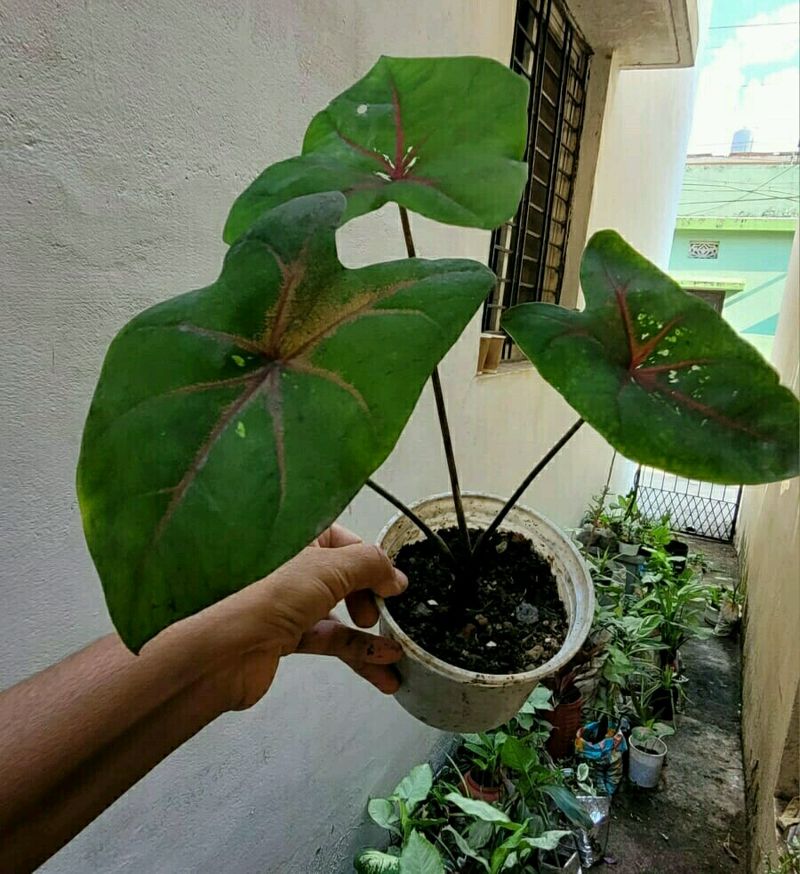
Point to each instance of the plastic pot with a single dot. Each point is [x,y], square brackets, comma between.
[566,720]
[453,699]
[627,548]
[646,759]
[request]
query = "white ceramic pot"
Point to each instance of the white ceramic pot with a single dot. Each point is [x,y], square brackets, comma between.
[454,699]
[646,758]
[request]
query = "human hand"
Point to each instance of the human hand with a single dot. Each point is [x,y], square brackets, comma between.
[289,612]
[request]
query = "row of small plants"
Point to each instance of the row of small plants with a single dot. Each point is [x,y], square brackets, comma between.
[437,824]
[507,799]
[648,608]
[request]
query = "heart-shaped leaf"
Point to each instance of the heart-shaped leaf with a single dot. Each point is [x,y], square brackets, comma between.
[443,137]
[474,807]
[419,856]
[661,375]
[382,812]
[232,424]
[415,786]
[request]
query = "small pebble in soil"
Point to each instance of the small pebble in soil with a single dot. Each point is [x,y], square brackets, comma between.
[509,600]
[526,613]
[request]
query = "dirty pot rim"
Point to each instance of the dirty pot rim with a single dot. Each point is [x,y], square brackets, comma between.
[579,627]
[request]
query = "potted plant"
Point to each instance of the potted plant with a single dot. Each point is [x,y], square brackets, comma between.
[483,779]
[232,424]
[565,716]
[646,754]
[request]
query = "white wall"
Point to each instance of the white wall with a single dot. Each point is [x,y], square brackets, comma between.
[769,544]
[127,129]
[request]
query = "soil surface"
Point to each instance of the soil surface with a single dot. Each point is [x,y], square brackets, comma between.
[694,822]
[506,617]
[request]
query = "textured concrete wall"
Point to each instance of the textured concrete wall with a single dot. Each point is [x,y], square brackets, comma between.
[127,129]
[769,543]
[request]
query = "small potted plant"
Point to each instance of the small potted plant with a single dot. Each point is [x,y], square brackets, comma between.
[234,423]
[646,754]
[483,779]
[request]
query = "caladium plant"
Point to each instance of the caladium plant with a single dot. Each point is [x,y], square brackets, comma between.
[230,425]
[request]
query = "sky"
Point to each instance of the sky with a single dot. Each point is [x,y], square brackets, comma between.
[749,77]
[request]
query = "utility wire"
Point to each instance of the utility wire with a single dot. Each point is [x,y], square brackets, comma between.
[765,24]
[747,194]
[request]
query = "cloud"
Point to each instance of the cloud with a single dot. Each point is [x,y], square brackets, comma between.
[731,94]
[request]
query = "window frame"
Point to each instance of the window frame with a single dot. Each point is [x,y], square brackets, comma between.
[543,30]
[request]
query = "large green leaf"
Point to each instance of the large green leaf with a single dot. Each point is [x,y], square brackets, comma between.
[376,862]
[517,755]
[415,786]
[568,804]
[232,424]
[382,812]
[659,374]
[475,807]
[440,136]
[419,856]
[464,847]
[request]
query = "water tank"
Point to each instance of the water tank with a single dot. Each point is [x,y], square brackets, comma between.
[742,141]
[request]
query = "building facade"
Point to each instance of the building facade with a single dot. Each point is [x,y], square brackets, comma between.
[733,237]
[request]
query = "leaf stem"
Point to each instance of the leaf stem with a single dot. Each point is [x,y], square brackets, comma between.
[509,504]
[408,512]
[441,410]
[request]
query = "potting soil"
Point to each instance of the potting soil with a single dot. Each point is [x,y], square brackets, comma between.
[504,617]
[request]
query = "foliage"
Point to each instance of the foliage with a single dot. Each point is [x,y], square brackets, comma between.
[471,835]
[485,751]
[206,427]
[659,374]
[392,137]
[788,859]
[287,345]
[644,628]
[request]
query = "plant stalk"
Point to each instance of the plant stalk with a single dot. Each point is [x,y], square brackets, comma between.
[441,411]
[509,504]
[408,512]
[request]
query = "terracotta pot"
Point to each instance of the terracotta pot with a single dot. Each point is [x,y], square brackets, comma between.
[475,789]
[566,720]
[453,699]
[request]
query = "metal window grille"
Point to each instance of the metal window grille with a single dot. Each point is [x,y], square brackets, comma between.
[705,249]
[527,253]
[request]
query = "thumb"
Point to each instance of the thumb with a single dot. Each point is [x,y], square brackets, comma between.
[361,566]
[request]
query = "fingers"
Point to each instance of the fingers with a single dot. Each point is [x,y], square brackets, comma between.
[336,536]
[331,637]
[362,609]
[361,566]
[367,654]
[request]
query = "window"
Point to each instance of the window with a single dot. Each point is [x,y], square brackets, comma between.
[706,249]
[528,253]
[715,299]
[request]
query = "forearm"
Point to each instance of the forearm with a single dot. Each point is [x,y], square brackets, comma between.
[96,782]
[57,725]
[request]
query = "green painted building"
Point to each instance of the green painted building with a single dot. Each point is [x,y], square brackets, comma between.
[736,220]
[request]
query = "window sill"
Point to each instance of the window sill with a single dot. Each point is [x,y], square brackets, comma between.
[506,368]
